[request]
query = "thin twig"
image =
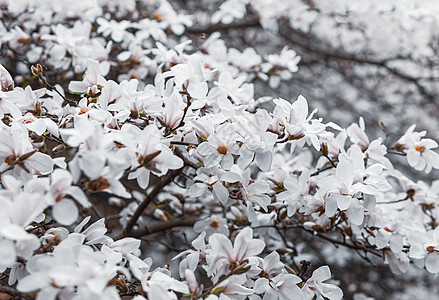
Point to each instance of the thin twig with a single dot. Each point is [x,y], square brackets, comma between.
[328,167]
[394,201]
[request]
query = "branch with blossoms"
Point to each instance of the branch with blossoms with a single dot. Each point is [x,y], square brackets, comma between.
[164,176]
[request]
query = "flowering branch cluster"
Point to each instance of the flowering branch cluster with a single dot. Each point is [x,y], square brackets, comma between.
[162,136]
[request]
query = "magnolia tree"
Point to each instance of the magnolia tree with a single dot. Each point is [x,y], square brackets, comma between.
[137,162]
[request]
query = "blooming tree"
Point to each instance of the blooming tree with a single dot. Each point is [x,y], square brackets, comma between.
[139,160]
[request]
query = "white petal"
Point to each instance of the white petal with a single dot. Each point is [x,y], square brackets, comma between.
[41,162]
[245,157]
[330,206]
[127,245]
[331,291]
[38,126]
[92,163]
[32,282]
[261,285]
[78,195]
[432,262]
[258,187]
[355,213]
[7,252]
[65,212]
[197,189]
[231,177]
[220,244]
[220,192]
[382,238]
[417,251]
[227,161]
[396,243]
[15,232]
[212,160]
[143,178]
[263,160]
[321,274]
[343,202]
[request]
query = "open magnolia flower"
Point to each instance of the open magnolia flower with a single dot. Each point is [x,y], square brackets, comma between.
[418,150]
[18,154]
[223,255]
[316,286]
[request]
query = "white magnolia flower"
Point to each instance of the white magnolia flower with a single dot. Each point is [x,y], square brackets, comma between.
[220,147]
[418,150]
[148,153]
[223,254]
[299,127]
[425,249]
[55,192]
[281,287]
[193,257]
[17,152]
[316,286]
[117,30]
[92,78]
[213,224]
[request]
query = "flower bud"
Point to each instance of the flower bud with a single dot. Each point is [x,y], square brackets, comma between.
[191,280]
[6,81]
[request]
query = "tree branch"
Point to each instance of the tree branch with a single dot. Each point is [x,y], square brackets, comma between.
[162,226]
[11,291]
[254,22]
[157,189]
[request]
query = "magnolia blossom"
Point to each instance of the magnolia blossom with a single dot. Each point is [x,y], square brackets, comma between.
[316,286]
[17,213]
[54,192]
[17,153]
[113,28]
[92,78]
[278,285]
[425,247]
[220,147]
[213,224]
[147,153]
[223,254]
[294,191]
[299,127]
[419,153]
[242,187]
[281,66]
[190,262]
[340,193]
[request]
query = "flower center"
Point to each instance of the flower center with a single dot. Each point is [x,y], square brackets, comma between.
[222,149]
[97,185]
[11,159]
[420,148]
[214,224]
[82,110]
[430,249]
